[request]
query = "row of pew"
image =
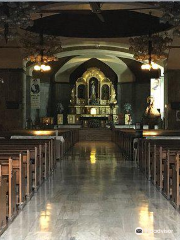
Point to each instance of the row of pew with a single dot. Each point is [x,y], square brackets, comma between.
[124,139]
[157,155]
[24,165]
[159,160]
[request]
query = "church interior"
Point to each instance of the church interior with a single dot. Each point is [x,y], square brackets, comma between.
[90,120]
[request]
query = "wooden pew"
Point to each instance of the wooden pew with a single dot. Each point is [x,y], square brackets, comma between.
[17,164]
[168,172]
[150,155]
[3,205]
[7,173]
[124,139]
[44,155]
[70,136]
[46,151]
[34,159]
[176,183]
[159,157]
[27,167]
[37,158]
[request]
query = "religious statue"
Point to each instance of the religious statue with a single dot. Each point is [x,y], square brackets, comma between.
[93,98]
[151,115]
[127,115]
[93,91]
[59,108]
[151,111]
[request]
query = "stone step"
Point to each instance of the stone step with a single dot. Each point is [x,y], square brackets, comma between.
[90,134]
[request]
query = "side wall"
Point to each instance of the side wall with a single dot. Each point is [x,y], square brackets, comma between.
[173,95]
[11,100]
[136,94]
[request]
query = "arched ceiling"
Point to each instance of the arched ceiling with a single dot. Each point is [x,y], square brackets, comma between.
[82,31]
[103,46]
[123,73]
[92,52]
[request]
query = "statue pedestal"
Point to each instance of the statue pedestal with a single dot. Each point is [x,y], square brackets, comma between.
[151,122]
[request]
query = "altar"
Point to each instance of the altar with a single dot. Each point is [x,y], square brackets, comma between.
[93,100]
[93,121]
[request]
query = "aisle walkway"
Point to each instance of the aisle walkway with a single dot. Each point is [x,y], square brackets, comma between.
[95,195]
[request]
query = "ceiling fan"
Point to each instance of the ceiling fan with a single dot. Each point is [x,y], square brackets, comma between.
[96,8]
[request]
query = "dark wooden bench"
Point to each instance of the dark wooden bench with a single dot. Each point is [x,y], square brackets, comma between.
[17,164]
[175,200]
[28,169]
[9,174]
[3,203]
[24,165]
[34,159]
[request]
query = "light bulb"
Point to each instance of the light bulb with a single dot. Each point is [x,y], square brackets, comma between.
[37,68]
[43,67]
[150,66]
[47,68]
[155,66]
[143,66]
[146,66]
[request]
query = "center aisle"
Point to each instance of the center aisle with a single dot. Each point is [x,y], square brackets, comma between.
[95,195]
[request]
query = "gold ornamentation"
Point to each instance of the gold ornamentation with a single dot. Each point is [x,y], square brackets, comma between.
[113,95]
[93,94]
[93,72]
[73,97]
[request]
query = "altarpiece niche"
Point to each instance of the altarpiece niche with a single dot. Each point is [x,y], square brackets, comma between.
[93,96]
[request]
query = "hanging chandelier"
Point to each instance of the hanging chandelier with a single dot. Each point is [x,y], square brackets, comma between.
[40,49]
[159,44]
[171,15]
[150,48]
[15,15]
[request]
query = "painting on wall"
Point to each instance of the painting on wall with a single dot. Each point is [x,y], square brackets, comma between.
[157,92]
[35,93]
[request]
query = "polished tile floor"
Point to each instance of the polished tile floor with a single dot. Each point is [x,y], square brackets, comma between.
[95,195]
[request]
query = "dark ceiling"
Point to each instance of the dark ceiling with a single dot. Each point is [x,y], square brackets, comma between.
[85,24]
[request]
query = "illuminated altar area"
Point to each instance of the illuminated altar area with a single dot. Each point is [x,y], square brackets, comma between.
[93,100]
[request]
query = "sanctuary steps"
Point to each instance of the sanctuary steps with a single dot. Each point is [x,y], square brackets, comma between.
[90,134]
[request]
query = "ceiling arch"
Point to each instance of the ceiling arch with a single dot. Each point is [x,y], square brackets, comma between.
[124,74]
[96,52]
